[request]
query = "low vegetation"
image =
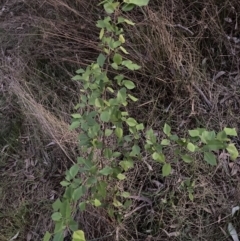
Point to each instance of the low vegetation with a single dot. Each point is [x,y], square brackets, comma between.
[150,152]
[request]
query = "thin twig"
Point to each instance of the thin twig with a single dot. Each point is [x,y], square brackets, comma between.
[202,94]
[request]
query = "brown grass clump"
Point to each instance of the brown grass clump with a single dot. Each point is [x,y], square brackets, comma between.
[190,78]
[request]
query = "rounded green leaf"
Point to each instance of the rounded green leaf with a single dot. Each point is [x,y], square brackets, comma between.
[76,116]
[139,3]
[101,59]
[135,150]
[47,236]
[165,142]
[187,158]
[105,116]
[131,122]
[210,158]
[166,169]
[97,203]
[119,132]
[82,206]
[121,38]
[232,150]
[108,132]
[78,236]
[129,84]
[230,131]
[191,147]
[158,157]
[194,133]
[114,66]
[56,216]
[64,183]
[74,170]
[126,165]
[106,171]
[125,194]
[132,98]
[167,129]
[121,176]
[117,58]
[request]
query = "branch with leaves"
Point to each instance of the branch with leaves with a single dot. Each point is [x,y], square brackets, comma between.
[104,116]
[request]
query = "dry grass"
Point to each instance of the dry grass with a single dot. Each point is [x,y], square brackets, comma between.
[183,47]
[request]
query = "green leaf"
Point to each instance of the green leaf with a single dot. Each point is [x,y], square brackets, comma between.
[158,157]
[123,50]
[174,137]
[222,136]
[78,236]
[167,129]
[80,71]
[78,193]
[131,122]
[187,158]
[130,65]
[98,103]
[97,203]
[106,171]
[126,164]
[129,22]
[102,188]
[117,58]
[73,225]
[119,132]
[232,150]
[82,206]
[116,154]
[110,7]
[129,84]
[56,216]
[127,7]
[194,133]
[101,34]
[165,142]
[122,39]
[74,125]
[190,195]
[214,145]
[58,236]
[101,60]
[166,169]
[125,194]
[132,98]
[135,150]
[47,236]
[210,158]
[56,205]
[139,3]
[121,95]
[105,116]
[65,209]
[74,170]
[207,136]
[110,89]
[191,147]
[230,131]
[77,77]
[114,66]
[140,127]
[108,132]
[76,116]
[116,44]
[64,183]
[121,176]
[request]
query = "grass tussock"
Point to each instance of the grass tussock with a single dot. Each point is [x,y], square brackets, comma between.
[189,53]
